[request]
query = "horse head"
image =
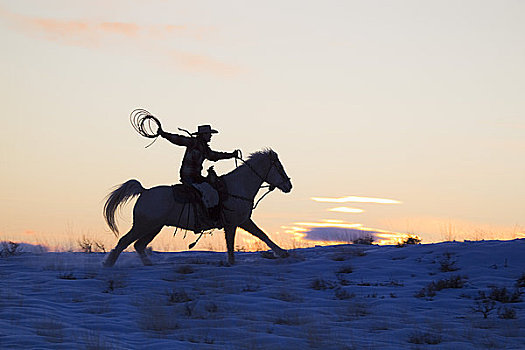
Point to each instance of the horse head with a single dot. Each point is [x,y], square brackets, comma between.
[277,176]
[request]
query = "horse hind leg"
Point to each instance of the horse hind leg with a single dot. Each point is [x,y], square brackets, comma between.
[122,244]
[141,244]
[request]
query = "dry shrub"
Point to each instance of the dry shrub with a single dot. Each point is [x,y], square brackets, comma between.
[447,264]
[8,249]
[507,313]
[321,284]
[503,295]
[91,245]
[446,283]
[410,240]
[285,295]
[520,282]
[179,296]
[419,337]
[185,269]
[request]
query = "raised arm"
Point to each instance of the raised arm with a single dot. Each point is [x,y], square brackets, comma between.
[176,139]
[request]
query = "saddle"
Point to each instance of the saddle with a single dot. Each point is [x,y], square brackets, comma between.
[187,194]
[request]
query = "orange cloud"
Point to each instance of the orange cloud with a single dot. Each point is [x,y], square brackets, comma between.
[356,199]
[93,34]
[346,210]
[126,29]
[83,31]
[328,224]
[201,63]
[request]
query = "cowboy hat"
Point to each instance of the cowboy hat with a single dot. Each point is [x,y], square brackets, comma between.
[205,129]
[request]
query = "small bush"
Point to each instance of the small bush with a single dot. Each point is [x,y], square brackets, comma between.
[178,297]
[447,283]
[185,269]
[366,240]
[89,245]
[345,269]
[419,337]
[189,307]
[503,295]
[320,284]
[113,284]
[8,249]
[67,276]
[348,252]
[484,306]
[507,313]
[343,294]
[251,287]
[339,258]
[410,240]
[447,264]
[520,282]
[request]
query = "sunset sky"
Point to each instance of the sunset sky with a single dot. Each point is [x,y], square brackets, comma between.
[391,117]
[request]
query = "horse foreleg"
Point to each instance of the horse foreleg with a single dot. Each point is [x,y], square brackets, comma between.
[229,232]
[122,244]
[251,227]
[141,244]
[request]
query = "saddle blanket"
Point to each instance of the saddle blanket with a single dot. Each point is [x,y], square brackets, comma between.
[210,197]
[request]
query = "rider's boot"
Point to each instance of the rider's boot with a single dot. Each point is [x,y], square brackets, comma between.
[215,215]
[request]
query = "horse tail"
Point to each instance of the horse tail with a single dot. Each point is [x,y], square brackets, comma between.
[119,197]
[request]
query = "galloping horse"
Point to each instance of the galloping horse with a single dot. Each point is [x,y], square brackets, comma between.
[156,207]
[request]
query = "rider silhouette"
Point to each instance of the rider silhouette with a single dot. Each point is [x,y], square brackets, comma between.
[197,150]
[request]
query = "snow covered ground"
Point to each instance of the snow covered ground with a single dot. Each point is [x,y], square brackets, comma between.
[432,296]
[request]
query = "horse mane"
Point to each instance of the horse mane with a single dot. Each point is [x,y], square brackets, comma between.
[258,154]
[254,157]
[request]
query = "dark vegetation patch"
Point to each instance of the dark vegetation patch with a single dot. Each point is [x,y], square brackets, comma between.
[430,290]
[410,240]
[178,296]
[447,263]
[419,337]
[185,269]
[321,284]
[8,249]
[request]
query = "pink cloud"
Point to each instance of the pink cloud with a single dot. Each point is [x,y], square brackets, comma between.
[201,63]
[93,34]
[127,29]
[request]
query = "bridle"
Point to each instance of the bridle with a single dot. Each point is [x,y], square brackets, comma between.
[274,161]
[270,187]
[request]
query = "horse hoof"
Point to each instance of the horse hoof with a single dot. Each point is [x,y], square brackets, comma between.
[268,255]
[284,254]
